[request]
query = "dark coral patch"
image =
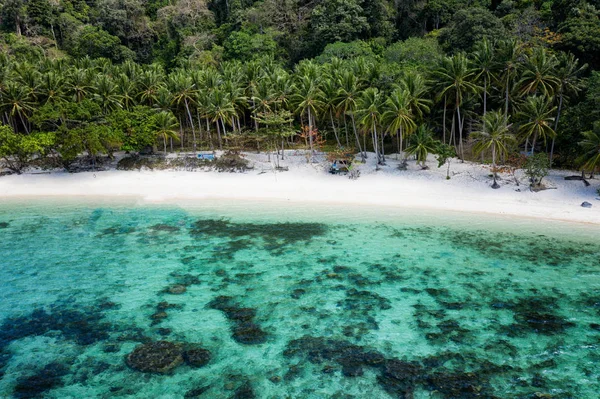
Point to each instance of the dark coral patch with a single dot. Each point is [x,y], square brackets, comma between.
[244,329]
[155,357]
[37,385]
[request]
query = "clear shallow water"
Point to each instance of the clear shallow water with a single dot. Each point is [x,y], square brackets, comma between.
[298,302]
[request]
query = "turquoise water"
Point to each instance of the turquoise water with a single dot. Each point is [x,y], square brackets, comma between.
[294,302]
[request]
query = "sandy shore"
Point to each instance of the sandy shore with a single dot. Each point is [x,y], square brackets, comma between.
[467,191]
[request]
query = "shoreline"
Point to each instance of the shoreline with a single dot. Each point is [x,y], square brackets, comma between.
[468,190]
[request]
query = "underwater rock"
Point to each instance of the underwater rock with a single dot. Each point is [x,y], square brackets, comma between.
[457,385]
[159,316]
[111,347]
[162,306]
[197,357]
[244,392]
[176,289]
[35,386]
[351,357]
[155,357]
[542,323]
[165,227]
[399,377]
[164,331]
[4,225]
[249,333]
[196,392]
[297,293]
[84,327]
[274,235]
[245,330]
[117,230]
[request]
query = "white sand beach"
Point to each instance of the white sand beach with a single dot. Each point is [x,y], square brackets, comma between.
[467,191]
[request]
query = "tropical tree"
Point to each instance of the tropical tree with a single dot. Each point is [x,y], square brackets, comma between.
[418,94]
[78,84]
[17,102]
[421,144]
[509,58]
[184,96]
[398,116]
[308,99]
[456,81]
[538,111]
[106,93]
[590,159]
[539,75]
[350,88]
[569,84]
[484,63]
[166,125]
[330,106]
[370,110]
[494,133]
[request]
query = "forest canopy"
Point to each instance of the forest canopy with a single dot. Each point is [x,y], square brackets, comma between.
[105,75]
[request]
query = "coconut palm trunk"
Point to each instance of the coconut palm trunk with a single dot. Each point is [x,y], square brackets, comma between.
[560,104]
[187,107]
[337,139]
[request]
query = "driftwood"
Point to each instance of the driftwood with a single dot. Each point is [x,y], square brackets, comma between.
[587,184]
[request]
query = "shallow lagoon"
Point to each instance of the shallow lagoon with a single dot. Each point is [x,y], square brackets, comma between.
[295,301]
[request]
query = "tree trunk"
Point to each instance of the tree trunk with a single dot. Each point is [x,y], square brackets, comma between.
[506,99]
[444,121]
[310,137]
[560,103]
[187,107]
[460,134]
[495,184]
[375,139]
[334,129]
[484,95]
[346,129]
[363,151]
[219,136]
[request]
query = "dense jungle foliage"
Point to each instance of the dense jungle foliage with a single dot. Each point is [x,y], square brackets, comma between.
[487,80]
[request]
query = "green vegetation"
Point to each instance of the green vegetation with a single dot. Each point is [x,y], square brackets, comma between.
[91,78]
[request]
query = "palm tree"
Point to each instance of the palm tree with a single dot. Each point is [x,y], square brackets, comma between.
[539,76]
[509,55]
[455,76]
[538,111]
[308,99]
[330,105]
[263,97]
[51,88]
[106,94]
[78,83]
[150,81]
[398,116]
[184,95]
[567,73]
[369,111]
[494,133]
[421,144]
[417,90]
[127,91]
[347,102]
[591,149]
[484,60]
[17,102]
[166,124]
[221,110]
